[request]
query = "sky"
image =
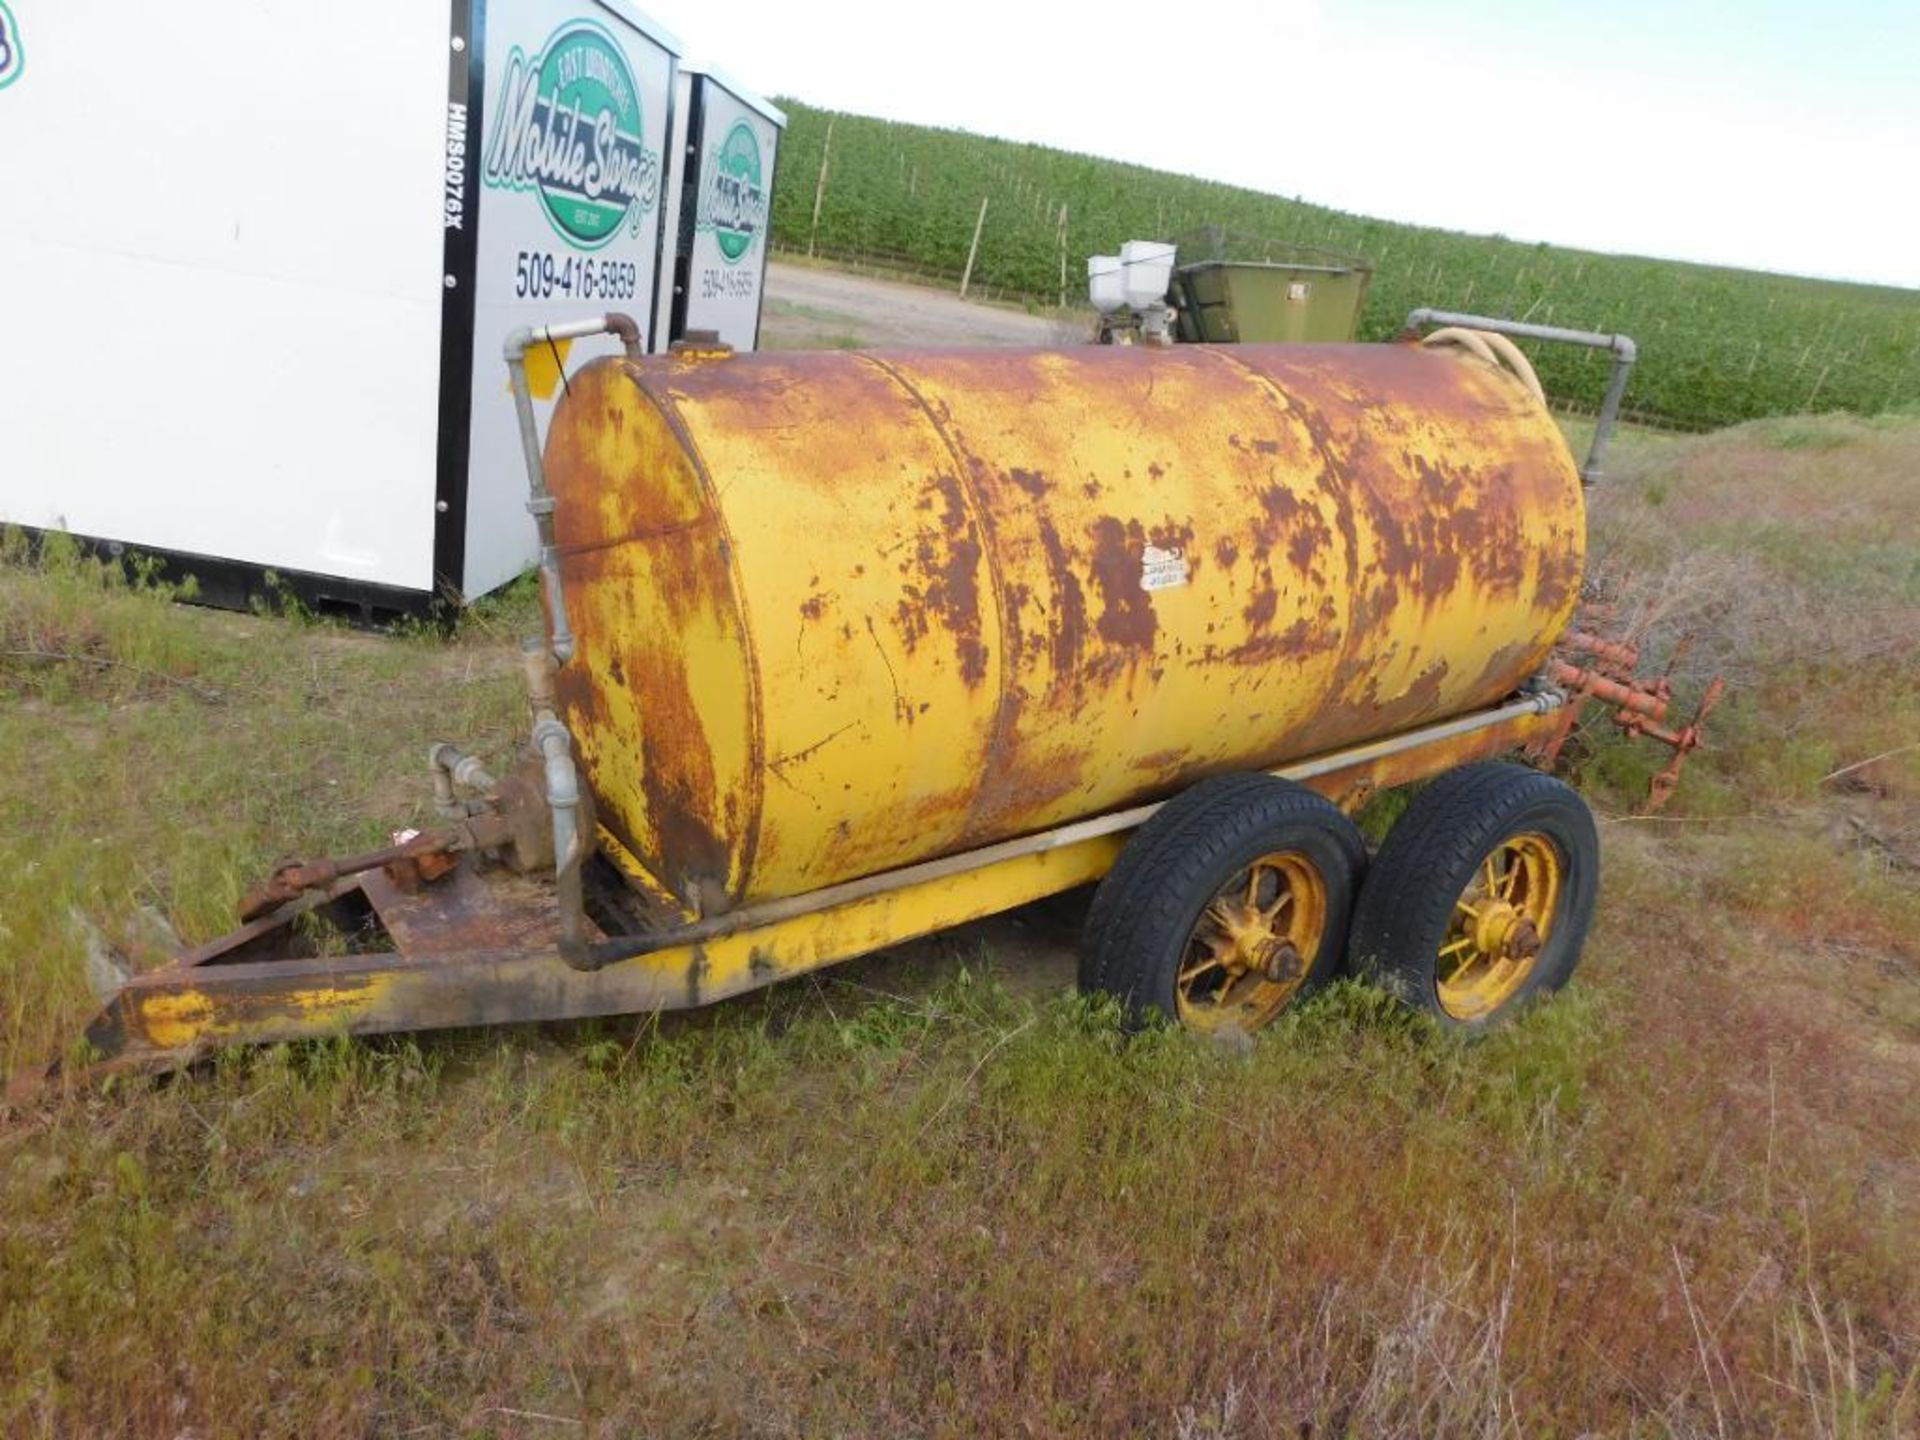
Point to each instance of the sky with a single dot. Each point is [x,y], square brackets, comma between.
[1762,134]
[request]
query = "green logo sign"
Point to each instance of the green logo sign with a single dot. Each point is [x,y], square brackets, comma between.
[12,57]
[569,127]
[733,198]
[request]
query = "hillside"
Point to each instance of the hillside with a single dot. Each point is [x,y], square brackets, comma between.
[1718,345]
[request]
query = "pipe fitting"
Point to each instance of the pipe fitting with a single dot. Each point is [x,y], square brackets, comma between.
[555,744]
[536,669]
[452,766]
[1622,348]
[539,500]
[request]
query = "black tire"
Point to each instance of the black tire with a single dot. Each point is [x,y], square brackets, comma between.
[1430,870]
[1147,910]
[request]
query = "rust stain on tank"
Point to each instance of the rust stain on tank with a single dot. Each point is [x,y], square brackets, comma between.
[1067,622]
[1126,614]
[1171,534]
[947,565]
[1264,605]
[1300,641]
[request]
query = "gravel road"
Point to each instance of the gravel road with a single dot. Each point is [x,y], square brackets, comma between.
[814,309]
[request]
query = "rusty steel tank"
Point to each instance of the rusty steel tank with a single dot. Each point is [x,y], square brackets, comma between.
[841,612]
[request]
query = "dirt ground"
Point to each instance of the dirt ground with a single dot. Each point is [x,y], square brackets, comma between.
[809,308]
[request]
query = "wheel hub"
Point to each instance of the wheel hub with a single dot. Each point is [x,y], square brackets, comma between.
[1503,929]
[1499,927]
[1249,951]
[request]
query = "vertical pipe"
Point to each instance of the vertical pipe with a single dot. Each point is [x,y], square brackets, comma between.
[1624,354]
[536,667]
[539,501]
[555,745]
[540,505]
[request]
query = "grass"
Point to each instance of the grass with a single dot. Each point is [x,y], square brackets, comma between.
[921,1195]
[1716,345]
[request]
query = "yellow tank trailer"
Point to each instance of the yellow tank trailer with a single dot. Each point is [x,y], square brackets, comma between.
[845,648]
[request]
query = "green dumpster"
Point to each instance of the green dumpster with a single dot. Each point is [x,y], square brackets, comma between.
[1230,288]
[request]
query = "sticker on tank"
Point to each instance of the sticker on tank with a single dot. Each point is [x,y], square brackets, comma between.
[1162,569]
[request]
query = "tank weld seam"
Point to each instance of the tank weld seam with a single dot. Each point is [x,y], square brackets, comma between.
[1350,642]
[1000,735]
[669,411]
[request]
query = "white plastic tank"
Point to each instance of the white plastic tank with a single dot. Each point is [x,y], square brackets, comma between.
[1106,283]
[1147,271]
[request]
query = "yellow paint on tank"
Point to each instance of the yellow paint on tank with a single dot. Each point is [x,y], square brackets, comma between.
[841,612]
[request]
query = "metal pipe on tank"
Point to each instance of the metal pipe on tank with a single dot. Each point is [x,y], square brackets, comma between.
[539,500]
[555,745]
[452,766]
[1624,352]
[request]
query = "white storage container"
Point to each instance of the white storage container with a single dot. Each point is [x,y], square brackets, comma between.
[272,342]
[719,211]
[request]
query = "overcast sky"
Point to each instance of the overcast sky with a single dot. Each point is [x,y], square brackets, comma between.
[1784,136]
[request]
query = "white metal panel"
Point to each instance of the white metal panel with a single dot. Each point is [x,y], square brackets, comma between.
[727,260]
[575,119]
[221,242]
[681,158]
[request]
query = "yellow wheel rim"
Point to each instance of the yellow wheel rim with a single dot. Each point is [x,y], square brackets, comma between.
[1253,945]
[1499,926]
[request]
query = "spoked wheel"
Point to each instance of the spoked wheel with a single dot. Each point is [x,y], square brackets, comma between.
[1227,906]
[1250,952]
[1499,926]
[1481,896]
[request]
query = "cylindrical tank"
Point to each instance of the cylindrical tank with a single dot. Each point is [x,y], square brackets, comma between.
[841,612]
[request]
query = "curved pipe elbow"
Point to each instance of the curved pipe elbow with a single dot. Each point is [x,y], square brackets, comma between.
[622,327]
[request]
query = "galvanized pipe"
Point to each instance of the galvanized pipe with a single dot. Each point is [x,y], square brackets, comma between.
[536,668]
[452,766]
[1624,351]
[555,745]
[628,947]
[539,500]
